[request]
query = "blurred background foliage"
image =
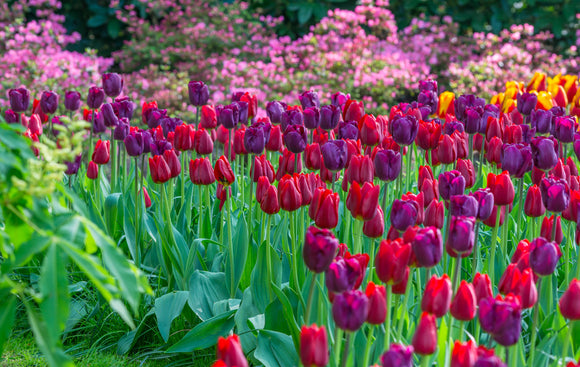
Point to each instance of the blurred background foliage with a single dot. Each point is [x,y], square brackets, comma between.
[96,22]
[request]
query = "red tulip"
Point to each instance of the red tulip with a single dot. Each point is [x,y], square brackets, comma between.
[425,338]
[465,167]
[261,166]
[173,162]
[464,354]
[435,214]
[391,261]
[208,117]
[428,135]
[546,229]
[430,190]
[274,143]
[313,157]
[229,350]
[201,171]
[370,131]
[464,302]
[401,287]
[437,296]
[269,201]
[313,346]
[482,287]
[533,205]
[289,193]
[101,153]
[501,187]
[362,202]
[202,142]
[447,151]
[375,227]
[286,164]
[461,140]
[261,188]
[360,169]
[353,110]
[183,137]
[377,304]
[160,171]
[92,170]
[570,301]
[146,198]
[493,151]
[239,147]
[223,171]
[324,208]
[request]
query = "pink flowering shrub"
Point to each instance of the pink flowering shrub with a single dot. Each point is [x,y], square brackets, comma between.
[33,54]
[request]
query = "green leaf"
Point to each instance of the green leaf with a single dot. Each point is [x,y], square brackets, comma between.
[53,287]
[304,13]
[246,311]
[240,253]
[112,208]
[206,288]
[113,28]
[288,315]
[97,20]
[205,335]
[127,341]
[167,309]
[7,315]
[275,349]
[260,284]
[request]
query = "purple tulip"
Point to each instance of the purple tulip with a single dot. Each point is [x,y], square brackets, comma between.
[198,93]
[168,124]
[555,194]
[387,165]
[10,116]
[452,126]
[516,159]
[243,111]
[544,256]
[237,96]
[428,246]
[342,274]
[541,120]
[72,100]
[109,117]
[99,124]
[329,117]
[339,99]
[254,139]
[309,99]
[19,99]
[134,144]
[489,360]
[350,310]
[577,145]
[398,355]
[526,102]
[95,97]
[123,107]
[228,116]
[154,117]
[428,98]
[49,102]
[474,119]
[311,117]
[122,129]
[461,235]
[348,130]
[564,128]
[334,153]
[502,318]
[160,146]
[528,133]
[147,141]
[485,203]
[544,152]
[319,250]
[403,214]
[428,84]
[274,110]
[490,110]
[463,205]
[404,129]
[461,103]
[112,84]
[73,167]
[295,138]
[291,117]
[451,183]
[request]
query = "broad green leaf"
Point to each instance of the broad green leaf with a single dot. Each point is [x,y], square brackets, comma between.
[246,311]
[206,334]
[167,308]
[7,315]
[127,341]
[53,286]
[240,241]
[206,288]
[26,252]
[288,315]
[260,284]
[275,349]
[112,211]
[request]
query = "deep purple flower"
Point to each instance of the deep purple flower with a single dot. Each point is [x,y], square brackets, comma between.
[19,99]
[541,120]
[198,93]
[49,102]
[451,183]
[544,152]
[462,102]
[485,203]
[109,117]
[404,129]
[404,214]
[387,165]
[255,139]
[564,128]
[73,167]
[526,102]
[99,124]
[295,138]
[274,110]
[341,275]
[243,111]
[528,133]
[516,159]
[160,146]
[72,100]
[148,141]
[311,117]
[544,256]
[309,99]
[463,205]
[474,119]
[350,310]
[398,355]
[228,116]
[461,235]
[168,124]
[122,129]
[555,194]
[334,153]
[10,116]
[501,318]
[134,144]
[348,130]
[95,97]
[339,99]
[329,117]
[428,84]
[319,250]
[428,98]
[449,127]
[291,117]
[428,246]
[124,107]
[237,96]
[155,116]
[112,84]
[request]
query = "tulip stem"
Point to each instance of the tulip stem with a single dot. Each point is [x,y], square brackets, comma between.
[386,186]
[137,215]
[230,245]
[337,343]
[200,211]
[425,361]
[268,256]
[310,292]
[183,167]
[554,227]
[243,179]
[471,138]
[578,263]
[403,308]
[567,343]
[475,249]
[520,209]
[491,264]
[569,242]
[345,351]
[294,256]
[534,327]
[456,276]
[504,236]
[250,205]
[388,320]
[369,344]
[462,331]
[408,173]
[113,156]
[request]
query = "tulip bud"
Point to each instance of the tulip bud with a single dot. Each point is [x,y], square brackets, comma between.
[49,102]
[501,317]
[348,130]
[295,138]
[350,310]
[159,168]
[313,346]
[269,201]
[370,131]
[274,110]
[362,202]
[353,110]
[425,337]
[112,84]
[427,246]
[404,129]
[324,208]
[359,169]
[564,128]
[375,227]
[289,193]
[391,261]
[482,287]
[463,205]
[544,256]
[334,153]
[229,350]
[223,171]
[201,171]
[198,93]
[319,250]
[544,152]
[329,117]
[387,165]
[377,304]
[464,302]
[72,100]
[502,188]
[465,167]
[555,194]
[398,355]
[533,205]
[570,301]
[101,152]
[434,214]
[404,214]
[447,152]
[451,183]
[19,99]
[437,296]
[309,99]
[92,170]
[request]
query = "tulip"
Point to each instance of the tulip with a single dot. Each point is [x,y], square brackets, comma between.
[404,129]
[547,227]
[95,97]
[350,310]
[464,354]
[487,358]
[564,128]
[10,116]
[261,166]
[101,152]
[425,337]
[173,162]
[287,164]
[527,291]
[228,116]
[324,208]
[447,152]
[430,190]
[501,187]
[291,117]
[34,125]
[160,170]
[375,227]
[437,296]
[463,205]
[313,157]
[427,246]
[501,317]
[353,110]
[362,202]
[183,137]
[295,138]
[428,134]
[72,100]
[229,350]
[339,99]
[463,102]
[516,159]
[208,118]
[124,108]
[19,99]
[223,171]
[329,117]
[509,281]
[198,93]
[334,153]
[391,261]
[555,194]
[464,302]
[377,304]
[493,151]
[451,183]
[485,203]
[202,142]
[434,214]
[73,167]
[313,346]
[274,110]
[348,130]
[359,169]
[121,130]
[570,301]
[398,355]
[403,214]
[311,117]
[534,205]
[92,170]
[309,99]
[269,201]
[49,102]
[544,152]
[255,139]
[544,256]
[474,119]
[370,132]
[387,164]
[320,247]
[201,171]
[465,167]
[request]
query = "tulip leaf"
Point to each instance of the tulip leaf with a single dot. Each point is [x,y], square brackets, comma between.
[275,349]
[246,311]
[288,313]
[167,308]
[127,341]
[206,334]
[112,211]
[129,230]
[7,315]
[260,284]
[205,289]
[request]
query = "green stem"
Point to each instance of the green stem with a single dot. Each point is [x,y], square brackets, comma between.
[388,320]
[569,242]
[268,255]
[408,173]
[520,208]
[567,343]
[230,244]
[471,138]
[113,155]
[403,310]
[494,244]
[345,351]
[310,295]
[250,205]
[534,327]
[294,254]
[475,249]
[137,215]
[554,226]
[462,331]
[200,211]
[183,167]
[368,346]
[425,361]
[456,276]
[337,343]
[513,355]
